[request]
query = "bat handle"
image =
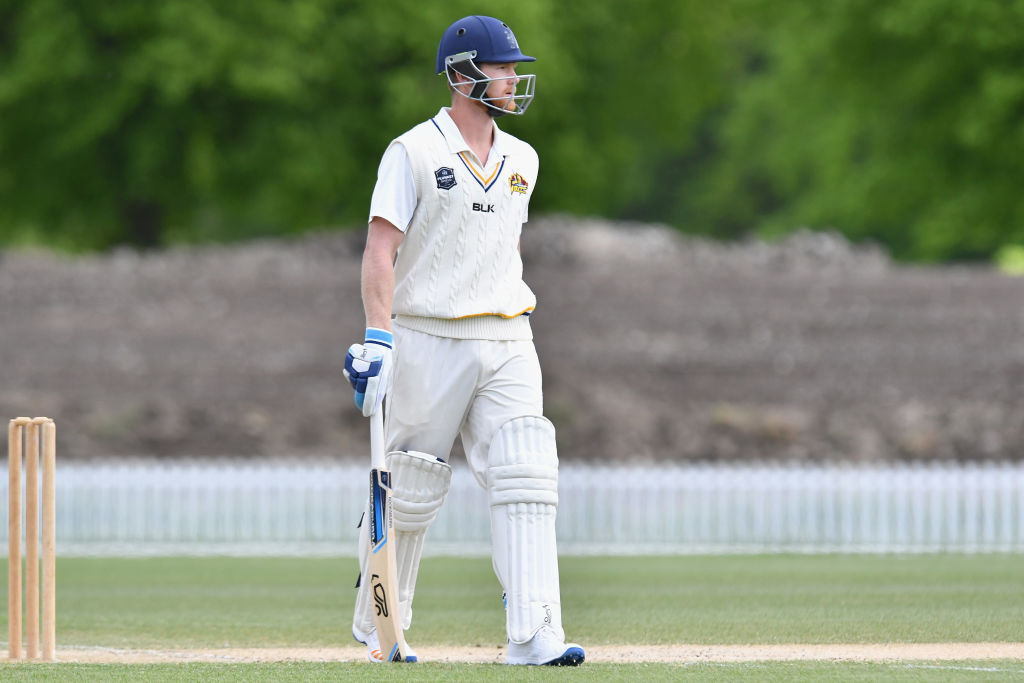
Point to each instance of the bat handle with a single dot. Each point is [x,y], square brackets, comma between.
[377,439]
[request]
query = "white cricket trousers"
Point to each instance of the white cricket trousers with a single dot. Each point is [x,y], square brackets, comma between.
[443,387]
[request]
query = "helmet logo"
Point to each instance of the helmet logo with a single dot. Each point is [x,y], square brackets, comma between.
[511,38]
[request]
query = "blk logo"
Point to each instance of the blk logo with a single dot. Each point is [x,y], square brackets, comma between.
[483,208]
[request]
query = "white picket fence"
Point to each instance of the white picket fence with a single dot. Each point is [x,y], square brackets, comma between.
[311,508]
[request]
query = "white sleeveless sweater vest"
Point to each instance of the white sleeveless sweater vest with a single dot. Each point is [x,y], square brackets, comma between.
[458,272]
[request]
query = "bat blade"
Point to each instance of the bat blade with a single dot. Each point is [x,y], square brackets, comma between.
[383,570]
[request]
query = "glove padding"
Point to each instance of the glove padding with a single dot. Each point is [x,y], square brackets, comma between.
[368,369]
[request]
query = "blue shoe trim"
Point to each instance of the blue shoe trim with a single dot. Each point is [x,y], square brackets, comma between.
[572,657]
[411,659]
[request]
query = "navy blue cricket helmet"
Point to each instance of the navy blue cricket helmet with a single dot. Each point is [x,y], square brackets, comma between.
[491,39]
[483,40]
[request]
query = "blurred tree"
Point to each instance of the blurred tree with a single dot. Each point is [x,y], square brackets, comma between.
[622,95]
[149,123]
[153,122]
[180,120]
[894,120]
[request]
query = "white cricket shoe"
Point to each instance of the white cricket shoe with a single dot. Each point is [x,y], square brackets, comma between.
[545,648]
[372,643]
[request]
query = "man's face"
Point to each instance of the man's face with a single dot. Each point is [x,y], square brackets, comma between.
[503,84]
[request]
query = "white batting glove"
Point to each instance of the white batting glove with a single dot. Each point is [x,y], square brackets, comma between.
[368,369]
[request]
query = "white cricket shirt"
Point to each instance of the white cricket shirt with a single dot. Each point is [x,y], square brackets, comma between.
[458,272]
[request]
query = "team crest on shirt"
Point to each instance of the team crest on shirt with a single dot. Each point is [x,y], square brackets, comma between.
[518,183]
[445,178]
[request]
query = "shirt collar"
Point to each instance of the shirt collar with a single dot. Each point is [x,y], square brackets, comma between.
[456,143]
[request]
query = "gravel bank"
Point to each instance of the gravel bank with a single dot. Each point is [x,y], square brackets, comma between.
[655,346]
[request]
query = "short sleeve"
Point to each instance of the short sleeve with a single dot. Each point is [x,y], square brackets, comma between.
[526,206]
[394,195]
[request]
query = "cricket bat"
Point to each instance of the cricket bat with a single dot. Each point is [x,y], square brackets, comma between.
[383,570]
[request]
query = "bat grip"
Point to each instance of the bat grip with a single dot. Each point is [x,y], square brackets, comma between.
[377,439]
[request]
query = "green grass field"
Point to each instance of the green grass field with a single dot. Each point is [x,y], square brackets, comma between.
[181,603]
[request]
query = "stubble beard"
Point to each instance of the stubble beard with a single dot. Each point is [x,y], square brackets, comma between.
[508,107]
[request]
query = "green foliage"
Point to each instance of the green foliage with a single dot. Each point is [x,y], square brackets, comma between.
[148,123]
[174,120]
[897,121]
[1010,259]
[622,93]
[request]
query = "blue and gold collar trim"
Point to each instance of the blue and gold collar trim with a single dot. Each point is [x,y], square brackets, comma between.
[486,182]
[482,179]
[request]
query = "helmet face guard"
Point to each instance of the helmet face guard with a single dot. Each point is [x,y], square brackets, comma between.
[479,82]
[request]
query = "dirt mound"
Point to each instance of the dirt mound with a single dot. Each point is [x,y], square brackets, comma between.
[654,345]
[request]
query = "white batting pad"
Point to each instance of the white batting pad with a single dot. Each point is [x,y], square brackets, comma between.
[419,485]
[362,617]
[522,484]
